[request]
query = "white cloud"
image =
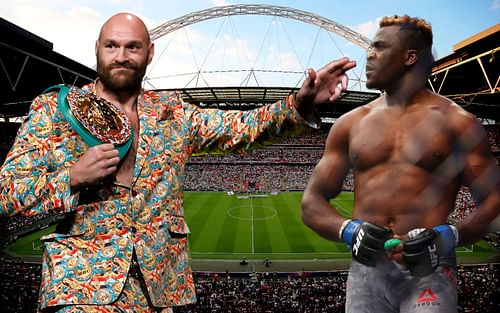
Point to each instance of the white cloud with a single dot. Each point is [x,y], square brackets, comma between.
[495,5]
[115,2]
[218,3]
[232,49]
[73,32]
[367,29]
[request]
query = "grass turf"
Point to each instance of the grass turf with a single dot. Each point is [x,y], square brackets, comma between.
[255,227]
[236,226]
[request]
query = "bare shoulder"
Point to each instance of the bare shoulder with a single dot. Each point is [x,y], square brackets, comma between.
[350,118]
[458,118]
[340,131]
[464,125]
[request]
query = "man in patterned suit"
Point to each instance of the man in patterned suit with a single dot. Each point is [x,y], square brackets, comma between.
[122,244]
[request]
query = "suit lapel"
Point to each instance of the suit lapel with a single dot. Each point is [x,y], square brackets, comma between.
[147,122]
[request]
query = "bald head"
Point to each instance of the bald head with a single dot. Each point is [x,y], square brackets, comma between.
[125,23]
[123,51]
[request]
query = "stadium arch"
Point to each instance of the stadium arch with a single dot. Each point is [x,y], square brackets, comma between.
[260,9]
[249,97]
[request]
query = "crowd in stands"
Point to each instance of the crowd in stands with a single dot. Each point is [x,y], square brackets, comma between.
[247,178]
[269,292]
[493,136]
[464,204]
[314,138]
[478,290]
[266,177]
[17,222]
[19,285]
[275,155]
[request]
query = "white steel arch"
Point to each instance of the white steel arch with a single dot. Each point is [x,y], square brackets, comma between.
[260,9]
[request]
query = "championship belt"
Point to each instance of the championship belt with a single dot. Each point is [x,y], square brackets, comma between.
[95,119]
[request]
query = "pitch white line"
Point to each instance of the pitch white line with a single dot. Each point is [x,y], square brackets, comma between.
[253,234]
[275,253]
[342,208]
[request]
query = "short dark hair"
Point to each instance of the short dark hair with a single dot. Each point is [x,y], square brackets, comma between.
[415,32]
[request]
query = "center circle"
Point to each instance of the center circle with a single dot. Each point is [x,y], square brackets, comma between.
[245,212]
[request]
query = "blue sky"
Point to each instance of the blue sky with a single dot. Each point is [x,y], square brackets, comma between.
[244,42]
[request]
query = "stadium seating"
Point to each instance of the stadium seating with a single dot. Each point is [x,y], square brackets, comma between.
[478,290]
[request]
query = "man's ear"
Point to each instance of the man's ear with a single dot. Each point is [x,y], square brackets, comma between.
[151,52]
[411,57]
[96,48]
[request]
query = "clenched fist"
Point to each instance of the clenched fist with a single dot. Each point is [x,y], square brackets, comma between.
[94,166]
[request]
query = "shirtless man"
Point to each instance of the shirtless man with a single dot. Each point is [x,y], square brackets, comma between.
[410,150]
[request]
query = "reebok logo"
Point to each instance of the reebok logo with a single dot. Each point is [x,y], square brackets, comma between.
[426,299]
[357,243]
[426,296]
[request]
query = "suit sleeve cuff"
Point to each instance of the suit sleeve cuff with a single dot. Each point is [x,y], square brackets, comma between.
[312,119]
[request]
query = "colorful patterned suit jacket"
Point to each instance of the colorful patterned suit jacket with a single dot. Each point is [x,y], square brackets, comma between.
[87,259]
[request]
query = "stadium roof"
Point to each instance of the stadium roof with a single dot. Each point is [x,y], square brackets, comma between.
[246,98]
[471,74]
[28,66]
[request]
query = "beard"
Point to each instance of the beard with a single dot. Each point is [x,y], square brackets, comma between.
[124,81]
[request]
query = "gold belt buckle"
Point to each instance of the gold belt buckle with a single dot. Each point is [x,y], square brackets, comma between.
[97,120]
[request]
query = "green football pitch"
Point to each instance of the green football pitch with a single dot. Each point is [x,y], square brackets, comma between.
[254,226]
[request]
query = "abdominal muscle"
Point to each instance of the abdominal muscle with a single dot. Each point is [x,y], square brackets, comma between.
[402,197]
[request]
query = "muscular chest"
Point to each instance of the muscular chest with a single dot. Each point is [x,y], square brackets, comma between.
[419,138]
